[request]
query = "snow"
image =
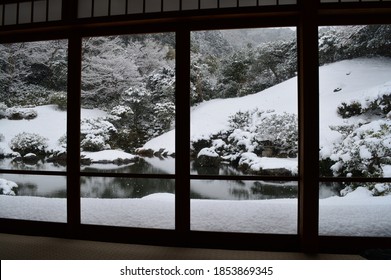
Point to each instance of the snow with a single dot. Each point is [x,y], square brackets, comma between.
[257,163]
[43,125]
[107,155]
[356,214]
[207,152]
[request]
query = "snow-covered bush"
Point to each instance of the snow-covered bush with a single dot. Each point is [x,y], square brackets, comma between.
[95,134]
[364,151]
[24,143]
[94,143]
[16,113]
[349,110]
[379,105]
[3,109]
[264,133]
[281,131]
[59,99]
[7,187]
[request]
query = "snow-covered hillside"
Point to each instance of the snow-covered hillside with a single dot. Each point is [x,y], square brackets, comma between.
[357,79]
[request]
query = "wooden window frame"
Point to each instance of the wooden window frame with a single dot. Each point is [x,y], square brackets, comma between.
[307,16]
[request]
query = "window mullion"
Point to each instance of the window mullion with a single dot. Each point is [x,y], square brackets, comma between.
[73,132]
[308,127]
[182,136]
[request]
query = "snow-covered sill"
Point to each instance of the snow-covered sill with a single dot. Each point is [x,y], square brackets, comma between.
[339,216]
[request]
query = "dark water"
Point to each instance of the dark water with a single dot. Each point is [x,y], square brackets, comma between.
[113,187]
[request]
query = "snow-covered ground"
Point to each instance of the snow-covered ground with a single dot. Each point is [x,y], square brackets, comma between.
[357,214]
[49,123]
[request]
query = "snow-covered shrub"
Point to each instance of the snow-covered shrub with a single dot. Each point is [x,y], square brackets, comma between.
[121,111]
[59,99]
[349,110]
[264,133]
[379,105]
[7,187]
[281,131]
[364,151]
[25,143]
[3,109]
[135,94]
[94,143]
[95,134]
[165,114]
[16,113]
[381,189]
[240,120]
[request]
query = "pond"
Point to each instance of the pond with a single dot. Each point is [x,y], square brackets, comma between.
[117,187]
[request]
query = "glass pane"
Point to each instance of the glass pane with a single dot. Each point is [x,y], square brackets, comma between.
[143,203]
[244,206]
[33,197]
[25,12]
[1,15]
[355,209]
[55,9]
[84,8]
[10,11]
[118,7]
[245,3]
[267,2]
[355,126]
[228,3]
[135,6]
[128,103]
[152,6]
[171,5]
[244,102]
[39,14]
[287,2]
[190,4]
[101,8]
[33,101]
[208,4]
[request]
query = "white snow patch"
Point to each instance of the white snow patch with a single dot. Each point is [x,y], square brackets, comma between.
[107,155]
[207,152]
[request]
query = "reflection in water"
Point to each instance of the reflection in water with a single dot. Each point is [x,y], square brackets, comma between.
[100,187]
[113,187]
[242,190]
[38,185]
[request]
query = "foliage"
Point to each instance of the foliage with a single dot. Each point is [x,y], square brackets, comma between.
[3,109]
[347,42]
[26,142]
[254,131]
[15,113]
[349,110]
[59,99]
[95,134]
[363,151]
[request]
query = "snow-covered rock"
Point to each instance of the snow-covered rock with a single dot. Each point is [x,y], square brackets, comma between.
[7,187]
